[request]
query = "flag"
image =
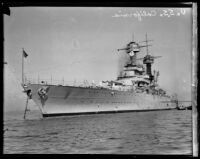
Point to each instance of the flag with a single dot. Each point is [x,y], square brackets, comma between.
[25,54]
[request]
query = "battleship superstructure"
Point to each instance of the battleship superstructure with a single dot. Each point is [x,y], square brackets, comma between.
[135,89]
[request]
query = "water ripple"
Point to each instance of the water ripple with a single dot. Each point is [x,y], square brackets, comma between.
[159,132]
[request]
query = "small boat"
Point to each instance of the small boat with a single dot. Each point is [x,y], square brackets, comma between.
[181,107]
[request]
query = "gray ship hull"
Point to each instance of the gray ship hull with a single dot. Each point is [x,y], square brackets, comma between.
[70,100]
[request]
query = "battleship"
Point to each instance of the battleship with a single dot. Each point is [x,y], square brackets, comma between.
[135,89]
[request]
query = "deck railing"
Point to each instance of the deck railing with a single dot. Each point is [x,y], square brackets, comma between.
[63,82]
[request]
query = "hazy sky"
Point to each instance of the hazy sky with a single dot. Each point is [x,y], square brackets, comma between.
[81,43]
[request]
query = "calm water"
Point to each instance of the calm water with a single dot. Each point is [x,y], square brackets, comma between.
[156,132]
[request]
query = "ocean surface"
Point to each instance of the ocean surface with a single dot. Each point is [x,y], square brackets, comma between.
[154,132]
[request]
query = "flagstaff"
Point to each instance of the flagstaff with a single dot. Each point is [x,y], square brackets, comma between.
[24,55]
[22,66]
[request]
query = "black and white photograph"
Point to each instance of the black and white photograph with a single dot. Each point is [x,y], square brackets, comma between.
[99,80]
